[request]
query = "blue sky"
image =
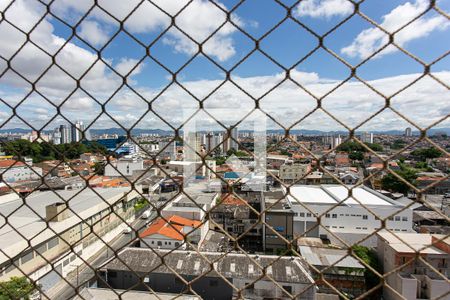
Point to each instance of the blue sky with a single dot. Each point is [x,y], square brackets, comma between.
[288,44]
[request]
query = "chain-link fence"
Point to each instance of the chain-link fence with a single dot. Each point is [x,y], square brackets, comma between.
[80,219]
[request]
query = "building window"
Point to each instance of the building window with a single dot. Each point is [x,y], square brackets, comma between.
[65,262]
[397,218]
[287,288]
[308,215]
[177,244]
[404,219]
[213,282]
[159,243]
[53,243]
[334,216]
[302,214]
[112,274]
[327,215]
[364,217]
[27,257]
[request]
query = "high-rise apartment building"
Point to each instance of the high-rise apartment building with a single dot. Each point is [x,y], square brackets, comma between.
[65,134]
[56,136]
[408,131]
[77,131]
[367,137]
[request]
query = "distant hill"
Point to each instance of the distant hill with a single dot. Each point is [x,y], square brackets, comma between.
[138,131]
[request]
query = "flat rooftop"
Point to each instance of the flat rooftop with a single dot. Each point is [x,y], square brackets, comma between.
[332,194]
[413,242]
[27,216]
[233,265]
[324,257]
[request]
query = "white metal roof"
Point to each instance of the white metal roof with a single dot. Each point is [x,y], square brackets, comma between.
[28,220]
[331,194]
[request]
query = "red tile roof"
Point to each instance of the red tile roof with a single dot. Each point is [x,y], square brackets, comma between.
[9,162]
[172,229]
[229,199]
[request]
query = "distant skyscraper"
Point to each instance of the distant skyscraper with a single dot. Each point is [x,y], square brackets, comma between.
[332,140]
[77,131]
[408,131]
[233,142]
[367,137]
[56,136]
[65,134]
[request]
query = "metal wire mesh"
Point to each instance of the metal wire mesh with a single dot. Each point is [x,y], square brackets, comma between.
[88,270]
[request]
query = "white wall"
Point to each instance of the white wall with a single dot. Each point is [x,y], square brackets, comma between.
[349,219]
[126,167]
[166,243]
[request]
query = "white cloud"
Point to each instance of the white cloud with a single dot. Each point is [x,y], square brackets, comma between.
[125,65]
[93,33]
[370,40]
[323,8]
[351,103]
[199,20]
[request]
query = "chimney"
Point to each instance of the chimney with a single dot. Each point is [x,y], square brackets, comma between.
[56,212]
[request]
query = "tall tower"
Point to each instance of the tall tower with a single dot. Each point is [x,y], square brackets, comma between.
[65,134]
[56,136]
[77,131]
[233,142]
[408,131]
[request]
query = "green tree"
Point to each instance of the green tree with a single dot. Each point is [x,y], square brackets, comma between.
[369,256]
[220,160]
[46,151]
[425,153]
[356,155]
[375,147]
[16,288]
[99,168]
[393,184]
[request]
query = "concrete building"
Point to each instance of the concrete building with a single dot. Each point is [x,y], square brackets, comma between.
[348,219]
[339,269]
[171,234]
[185,207]
[415,280]
[408,132]
[290,273]
[193,169]
[278,229]
[69,226]
[77,131]
[56,136]
[66,136]
[293,172]
[212,143]
[332,140]
[349,178]
[234,139]
[128,148]
[366,137]
[167,150]
[13,170]
[124,167]
[236,215]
